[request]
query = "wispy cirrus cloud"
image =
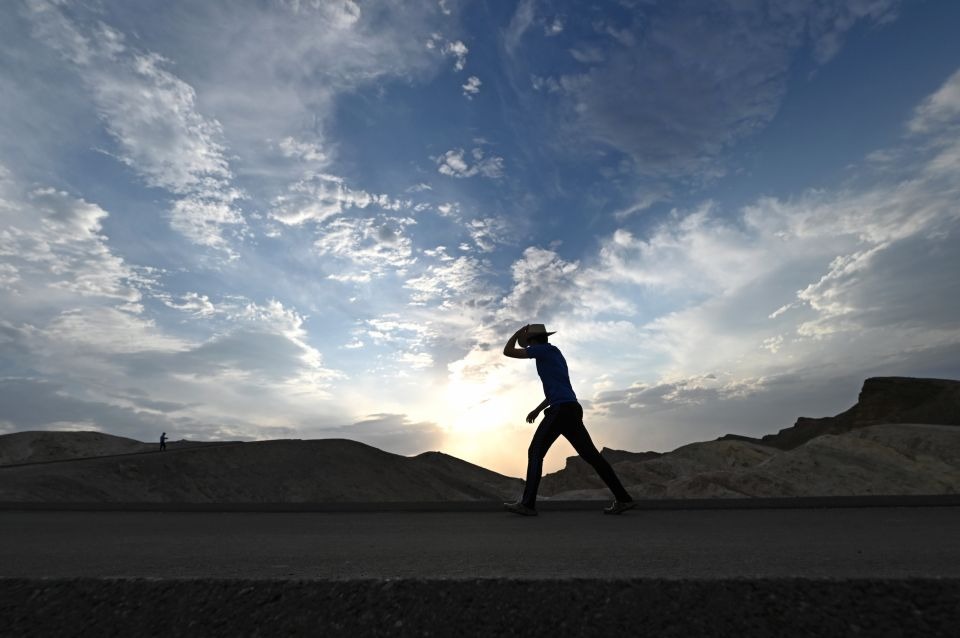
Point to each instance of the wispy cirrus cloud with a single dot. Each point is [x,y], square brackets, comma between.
[373,246]
[152,116]
[319,196]
[79,329]
[52,247]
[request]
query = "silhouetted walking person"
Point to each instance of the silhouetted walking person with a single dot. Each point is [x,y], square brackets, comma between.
[563,415]
[163,442]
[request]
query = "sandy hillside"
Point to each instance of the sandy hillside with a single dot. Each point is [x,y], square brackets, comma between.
[331,470]
[32,447]
[41,446]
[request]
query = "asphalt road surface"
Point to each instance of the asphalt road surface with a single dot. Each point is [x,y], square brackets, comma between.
[908,542]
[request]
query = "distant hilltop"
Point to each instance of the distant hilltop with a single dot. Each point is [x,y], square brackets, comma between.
[901,437]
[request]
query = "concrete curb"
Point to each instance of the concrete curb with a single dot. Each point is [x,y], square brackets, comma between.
[800,502]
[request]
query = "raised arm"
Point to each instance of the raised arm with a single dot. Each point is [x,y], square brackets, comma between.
[511,349]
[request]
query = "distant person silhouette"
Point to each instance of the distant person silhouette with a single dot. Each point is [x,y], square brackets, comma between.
[163,442]
[563,415]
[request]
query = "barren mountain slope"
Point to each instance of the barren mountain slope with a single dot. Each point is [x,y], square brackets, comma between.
[331,470]
[32,447]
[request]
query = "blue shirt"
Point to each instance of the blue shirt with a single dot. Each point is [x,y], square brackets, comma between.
[552,368]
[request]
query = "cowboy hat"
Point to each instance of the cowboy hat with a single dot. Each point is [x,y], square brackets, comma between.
[534,330]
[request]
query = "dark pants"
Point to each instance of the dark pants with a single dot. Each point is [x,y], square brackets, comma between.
[566,419]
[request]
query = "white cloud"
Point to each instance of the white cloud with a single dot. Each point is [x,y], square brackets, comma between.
[306,151]
[939,109]
[472,87]
[544,286]
[489,233]
[409,341]
[196,304]
[53,247]
[553,27]
[188,128]
[319,196]
[521,21]
[452,279]
[101,331]
[455,49]
[152,115]
[448,209]
[340,13]
[644,201]
[368,247]
[201,219]
[86,321]
[453,164]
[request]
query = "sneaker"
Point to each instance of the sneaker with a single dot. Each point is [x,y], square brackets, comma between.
[520,508]
[619,507]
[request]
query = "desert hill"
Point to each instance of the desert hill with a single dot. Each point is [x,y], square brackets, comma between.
[899,438]
[329,470]
[33,447]
[43,446]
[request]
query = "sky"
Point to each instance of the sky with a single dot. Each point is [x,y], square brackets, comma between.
[314,219]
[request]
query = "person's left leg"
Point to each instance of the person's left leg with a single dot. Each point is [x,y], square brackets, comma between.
[576,432]
[543,438]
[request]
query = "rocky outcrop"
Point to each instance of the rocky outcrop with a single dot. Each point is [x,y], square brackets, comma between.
[882,400]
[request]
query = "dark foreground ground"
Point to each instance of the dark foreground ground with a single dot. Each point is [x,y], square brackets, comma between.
[867,571]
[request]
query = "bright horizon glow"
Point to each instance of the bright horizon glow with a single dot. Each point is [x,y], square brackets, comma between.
[297,219]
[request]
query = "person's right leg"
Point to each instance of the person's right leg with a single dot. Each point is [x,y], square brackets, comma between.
[543,438]
[576,432]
